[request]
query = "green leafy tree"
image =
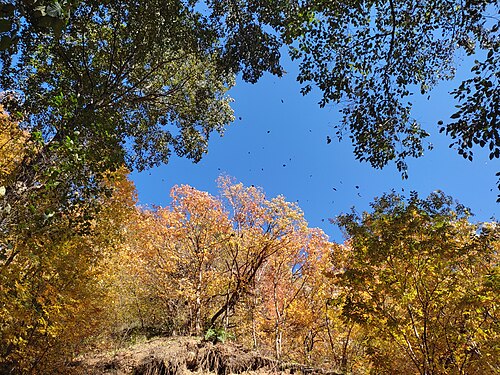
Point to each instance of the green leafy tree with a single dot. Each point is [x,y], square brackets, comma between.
[99,84]
[121,64]
[41,15]
[125,82]
[132,81]
[374,55]
[421,279]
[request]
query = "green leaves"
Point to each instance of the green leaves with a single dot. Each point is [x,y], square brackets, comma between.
[216,335]
[5,25]
[162,89]
[478,110]
[371,57]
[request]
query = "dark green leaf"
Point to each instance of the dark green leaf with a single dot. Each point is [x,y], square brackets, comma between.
[5,42]
[5,25]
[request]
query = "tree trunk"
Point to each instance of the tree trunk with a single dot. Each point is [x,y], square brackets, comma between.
[197,311]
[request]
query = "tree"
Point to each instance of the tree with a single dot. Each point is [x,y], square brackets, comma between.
[100,84]
[421,280]
[53,283]
[204,259]
[262,229]
[291,286]
[83,95]
[374,55]
[196,227]
[134,80]
[127,91]
[51,294]
[42,192]
[37,15]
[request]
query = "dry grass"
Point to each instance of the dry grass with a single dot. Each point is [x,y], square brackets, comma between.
[184,355]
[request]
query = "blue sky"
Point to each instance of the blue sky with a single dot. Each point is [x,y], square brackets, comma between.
[279,142]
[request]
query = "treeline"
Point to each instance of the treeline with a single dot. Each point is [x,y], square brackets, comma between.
[413,290]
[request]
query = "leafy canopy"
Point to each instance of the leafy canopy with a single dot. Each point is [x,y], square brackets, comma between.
[421,280]
[140,80]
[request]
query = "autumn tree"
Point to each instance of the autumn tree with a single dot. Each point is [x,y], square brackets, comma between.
[133,308]
[421,279]
[315,331]
[262,229]
[50,291]
[195,228]
[203,259]
[169,274]
[289,284]
[296,313]
[53,286]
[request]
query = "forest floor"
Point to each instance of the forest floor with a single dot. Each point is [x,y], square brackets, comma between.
[185,355]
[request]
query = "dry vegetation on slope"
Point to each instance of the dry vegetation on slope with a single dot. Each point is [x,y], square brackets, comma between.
[184,355]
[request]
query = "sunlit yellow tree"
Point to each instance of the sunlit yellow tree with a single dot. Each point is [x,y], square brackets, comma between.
[423,281]
[51,295]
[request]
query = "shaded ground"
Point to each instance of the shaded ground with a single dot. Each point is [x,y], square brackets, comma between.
[184,355]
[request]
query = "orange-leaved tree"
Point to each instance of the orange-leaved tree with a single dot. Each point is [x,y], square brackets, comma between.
[203,260]
[293,286]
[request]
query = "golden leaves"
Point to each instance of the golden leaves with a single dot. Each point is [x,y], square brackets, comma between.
[12,145]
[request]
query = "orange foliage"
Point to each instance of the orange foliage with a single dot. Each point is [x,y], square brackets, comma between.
[240,262]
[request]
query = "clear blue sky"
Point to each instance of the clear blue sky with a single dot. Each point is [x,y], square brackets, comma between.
[280,145]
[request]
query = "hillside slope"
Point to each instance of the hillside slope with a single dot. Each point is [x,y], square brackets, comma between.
[184,355]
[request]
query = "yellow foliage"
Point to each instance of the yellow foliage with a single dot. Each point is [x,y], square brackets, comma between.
[12,145]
